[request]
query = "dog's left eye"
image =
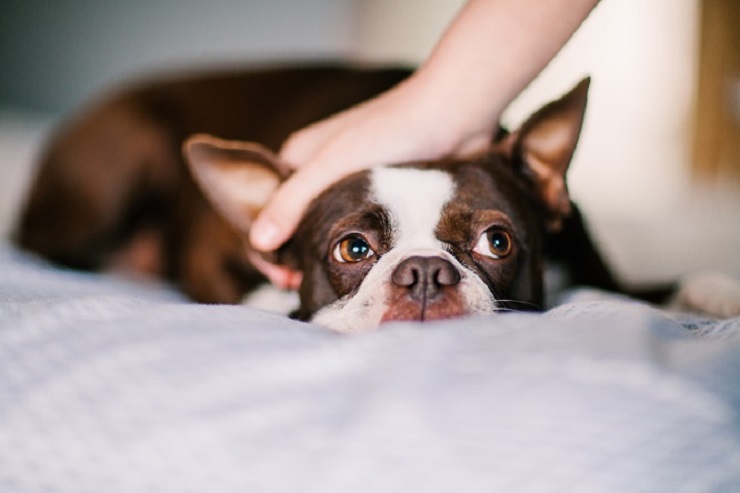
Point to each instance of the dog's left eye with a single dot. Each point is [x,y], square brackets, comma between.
[494,243]
[353,248]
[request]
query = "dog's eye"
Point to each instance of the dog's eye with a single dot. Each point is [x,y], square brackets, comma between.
[494,243]
[353,248]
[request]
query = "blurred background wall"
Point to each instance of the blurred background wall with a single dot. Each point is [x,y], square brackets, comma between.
[635,172]
[56,53]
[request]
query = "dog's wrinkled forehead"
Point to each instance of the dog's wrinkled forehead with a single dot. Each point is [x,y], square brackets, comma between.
[402,205]
[413,200]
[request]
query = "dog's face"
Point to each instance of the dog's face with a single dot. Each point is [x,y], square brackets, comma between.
[425,242]
[418,241]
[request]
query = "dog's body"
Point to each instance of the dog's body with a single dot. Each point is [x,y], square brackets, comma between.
[416,241]
[112,185]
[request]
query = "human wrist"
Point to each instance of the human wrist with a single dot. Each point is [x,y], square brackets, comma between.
[456,117]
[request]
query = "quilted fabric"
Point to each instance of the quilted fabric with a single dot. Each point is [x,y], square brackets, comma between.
[117,386]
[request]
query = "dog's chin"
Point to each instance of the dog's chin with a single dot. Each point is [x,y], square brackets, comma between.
[419,314]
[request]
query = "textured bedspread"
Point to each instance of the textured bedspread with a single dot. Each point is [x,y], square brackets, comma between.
[108,385]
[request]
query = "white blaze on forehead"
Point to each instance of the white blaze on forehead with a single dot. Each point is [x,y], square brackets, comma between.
[414,199]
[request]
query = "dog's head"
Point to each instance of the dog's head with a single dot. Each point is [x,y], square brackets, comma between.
[415,241]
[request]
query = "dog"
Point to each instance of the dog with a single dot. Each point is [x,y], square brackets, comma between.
[410,241]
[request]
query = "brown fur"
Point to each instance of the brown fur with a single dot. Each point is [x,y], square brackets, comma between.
[117,169]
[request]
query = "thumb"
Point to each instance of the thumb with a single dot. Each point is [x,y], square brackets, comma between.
[279,218]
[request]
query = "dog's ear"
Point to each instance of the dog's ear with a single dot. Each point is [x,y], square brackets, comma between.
[544,146]
[237,177]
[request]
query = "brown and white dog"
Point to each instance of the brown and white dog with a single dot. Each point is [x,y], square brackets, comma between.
[412,241]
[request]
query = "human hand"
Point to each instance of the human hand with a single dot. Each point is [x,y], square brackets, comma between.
[400,125]
[451,105]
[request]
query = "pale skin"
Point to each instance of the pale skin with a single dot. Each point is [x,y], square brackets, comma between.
[449,106]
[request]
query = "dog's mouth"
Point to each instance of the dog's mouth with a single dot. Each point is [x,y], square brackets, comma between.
[406,309]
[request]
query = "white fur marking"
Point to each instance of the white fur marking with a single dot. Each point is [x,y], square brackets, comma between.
[414,199]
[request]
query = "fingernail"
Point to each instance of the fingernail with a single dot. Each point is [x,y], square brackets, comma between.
[265,234]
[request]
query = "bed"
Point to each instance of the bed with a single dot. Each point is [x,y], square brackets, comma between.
[116,385]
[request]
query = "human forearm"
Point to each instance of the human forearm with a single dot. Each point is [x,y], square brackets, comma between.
[489,54]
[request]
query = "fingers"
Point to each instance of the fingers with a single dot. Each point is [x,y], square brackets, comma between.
[383,130]
[278,220]
[278,275]
[311,152]
[320,168]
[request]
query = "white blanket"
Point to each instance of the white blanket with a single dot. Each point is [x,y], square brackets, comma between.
[116,386]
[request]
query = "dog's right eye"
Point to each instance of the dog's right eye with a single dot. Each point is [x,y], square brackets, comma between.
[495,243]
[353,248]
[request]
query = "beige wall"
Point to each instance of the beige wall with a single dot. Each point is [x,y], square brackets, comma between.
[402,31]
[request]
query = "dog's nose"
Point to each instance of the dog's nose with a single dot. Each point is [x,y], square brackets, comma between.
[425,276]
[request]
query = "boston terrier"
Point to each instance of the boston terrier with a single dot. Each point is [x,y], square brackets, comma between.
[410,241]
